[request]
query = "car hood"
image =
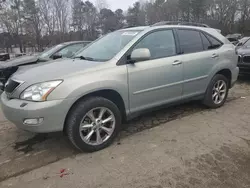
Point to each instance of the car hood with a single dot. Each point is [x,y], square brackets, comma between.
[58,69]
[19,61]
[243,51]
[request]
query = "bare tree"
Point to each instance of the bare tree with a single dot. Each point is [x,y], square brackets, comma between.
[42,22]
[85,19]
[11,18]
[61,13]
[136,15]
[1,3]
[33,20]
[47,11]
[244,8]
[101,4]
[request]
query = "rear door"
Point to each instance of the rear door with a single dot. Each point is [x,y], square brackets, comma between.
[198,57]
[212,49]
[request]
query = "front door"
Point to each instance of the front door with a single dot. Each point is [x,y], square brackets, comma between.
[159,80]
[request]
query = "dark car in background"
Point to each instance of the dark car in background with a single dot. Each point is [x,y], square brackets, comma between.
[242,42]
[64,50]
[4,56]
[243,50]
[234,38]
[234,41]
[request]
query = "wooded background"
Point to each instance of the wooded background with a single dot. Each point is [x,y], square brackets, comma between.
[43,23]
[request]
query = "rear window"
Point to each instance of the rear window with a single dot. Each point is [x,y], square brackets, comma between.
[215,42]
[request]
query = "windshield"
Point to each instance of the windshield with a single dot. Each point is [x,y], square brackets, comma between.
[108,46]
[49,51]
[247,44]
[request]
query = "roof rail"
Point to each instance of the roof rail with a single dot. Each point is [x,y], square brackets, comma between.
[179,23]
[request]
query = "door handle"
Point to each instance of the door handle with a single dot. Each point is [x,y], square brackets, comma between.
[215,55]
[177,62]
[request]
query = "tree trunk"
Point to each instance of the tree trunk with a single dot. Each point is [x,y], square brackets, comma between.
[20,44]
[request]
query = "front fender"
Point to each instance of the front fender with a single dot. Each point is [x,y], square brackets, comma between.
[120,88]
[81,85]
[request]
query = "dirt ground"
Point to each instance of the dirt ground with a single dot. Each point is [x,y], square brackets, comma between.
[184,146]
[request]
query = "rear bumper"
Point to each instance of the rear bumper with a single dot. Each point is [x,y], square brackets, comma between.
[235,74]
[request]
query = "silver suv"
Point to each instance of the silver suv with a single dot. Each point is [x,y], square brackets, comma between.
[118,77]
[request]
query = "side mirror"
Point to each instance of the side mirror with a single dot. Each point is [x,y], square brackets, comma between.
[56,56]
[141,54]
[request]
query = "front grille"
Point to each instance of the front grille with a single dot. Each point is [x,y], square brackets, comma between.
[11,86]
[246,59]
[2,78]
[2,74]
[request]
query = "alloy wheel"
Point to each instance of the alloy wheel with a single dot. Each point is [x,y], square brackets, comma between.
[219,91]
[97,126]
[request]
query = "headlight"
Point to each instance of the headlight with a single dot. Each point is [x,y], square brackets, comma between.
[39,92]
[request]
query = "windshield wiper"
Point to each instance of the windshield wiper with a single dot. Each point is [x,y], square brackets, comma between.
[84,58]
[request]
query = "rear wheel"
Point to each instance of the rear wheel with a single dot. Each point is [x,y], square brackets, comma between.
[217,92]
[93,124]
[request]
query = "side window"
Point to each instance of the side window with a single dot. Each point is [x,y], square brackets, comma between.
[190,41]
[206,43]
[215,43]
[70,50]
[160,44]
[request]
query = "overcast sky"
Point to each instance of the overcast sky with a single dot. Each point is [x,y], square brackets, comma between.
[122,4]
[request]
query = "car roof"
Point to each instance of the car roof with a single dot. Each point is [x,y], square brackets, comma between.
[215,32]
[143,28]
[135,28]
[74,42]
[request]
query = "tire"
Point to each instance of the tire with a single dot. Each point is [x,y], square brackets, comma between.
[209,101]
[79,117]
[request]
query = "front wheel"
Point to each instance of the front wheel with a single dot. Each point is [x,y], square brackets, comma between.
[93,124]
[217,92]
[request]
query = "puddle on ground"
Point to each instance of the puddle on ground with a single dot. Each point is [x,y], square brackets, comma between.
[27,145]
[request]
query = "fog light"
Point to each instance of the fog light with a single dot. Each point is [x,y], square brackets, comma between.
[34,121]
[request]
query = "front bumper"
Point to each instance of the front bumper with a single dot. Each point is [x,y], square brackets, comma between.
[244,68]
[244,64]
[53,113]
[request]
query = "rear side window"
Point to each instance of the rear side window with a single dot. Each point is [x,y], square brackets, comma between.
[206,43]
[214,42]
[190,41]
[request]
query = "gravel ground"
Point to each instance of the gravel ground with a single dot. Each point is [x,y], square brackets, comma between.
[21,152]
